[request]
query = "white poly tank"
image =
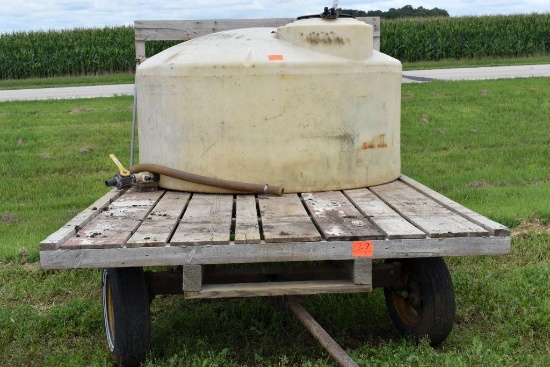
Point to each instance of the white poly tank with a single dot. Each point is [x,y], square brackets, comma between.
[309,106]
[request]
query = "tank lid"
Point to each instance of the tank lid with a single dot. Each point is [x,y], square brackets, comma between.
[343,37]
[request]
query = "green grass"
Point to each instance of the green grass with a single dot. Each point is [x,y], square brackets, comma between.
[67,81]
[472,63]
[54,157]
[482,143]
[485,144]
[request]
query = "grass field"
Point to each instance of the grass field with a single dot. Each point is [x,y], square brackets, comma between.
[68,81]
[484,144]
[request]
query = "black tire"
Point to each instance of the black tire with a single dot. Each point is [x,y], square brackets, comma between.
[127,315]
[426,306]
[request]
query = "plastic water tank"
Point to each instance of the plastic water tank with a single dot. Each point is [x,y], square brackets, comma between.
[309,106]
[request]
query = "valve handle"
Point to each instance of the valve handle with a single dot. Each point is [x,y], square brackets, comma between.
[122,170]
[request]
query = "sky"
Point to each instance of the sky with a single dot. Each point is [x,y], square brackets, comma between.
[29,15]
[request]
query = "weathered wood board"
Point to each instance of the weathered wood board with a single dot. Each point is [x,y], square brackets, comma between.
[175,228]
[207,220]
[102,233]
[192,277]
[183,30]
[281,252]
[277,289]
[161,222]
[116,223]
[429,216]
[337,218]
[132,199]
[285,219]
[391,223]
[247,228]
[496,229]
[68,230]
[360,271]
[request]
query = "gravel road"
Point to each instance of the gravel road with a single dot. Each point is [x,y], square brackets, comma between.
[498,72]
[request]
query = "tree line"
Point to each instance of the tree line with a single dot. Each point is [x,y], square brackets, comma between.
[405,12]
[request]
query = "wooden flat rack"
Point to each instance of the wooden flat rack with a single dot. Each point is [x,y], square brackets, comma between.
[401,219]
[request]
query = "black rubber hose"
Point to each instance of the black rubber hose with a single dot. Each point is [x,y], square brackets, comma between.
[208,181]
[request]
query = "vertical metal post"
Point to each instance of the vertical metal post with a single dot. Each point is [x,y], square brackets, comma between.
[132,143]
[343,359]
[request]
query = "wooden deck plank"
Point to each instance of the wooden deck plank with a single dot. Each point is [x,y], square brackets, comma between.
[207,220]
[133,198]
[277,289]
[284,218]
[390,222]
[337,218]
[54,240]
[102,233]
[125,212]
[247,229]
[426,214]
[114,225]
[161,222]
[496,229]
[151,30]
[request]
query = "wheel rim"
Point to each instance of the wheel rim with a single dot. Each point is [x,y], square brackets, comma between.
[108,311]
[408,303]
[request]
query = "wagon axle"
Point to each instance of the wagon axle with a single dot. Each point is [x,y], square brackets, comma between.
[409,289]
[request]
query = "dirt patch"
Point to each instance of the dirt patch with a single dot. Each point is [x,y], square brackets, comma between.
[409,96]
[425,119]
[86,149]
[484,92]
[531,225]
[23,256]
[32,266]
[21,142]
[8,218]
[45,155]
[79,110]
[479,184]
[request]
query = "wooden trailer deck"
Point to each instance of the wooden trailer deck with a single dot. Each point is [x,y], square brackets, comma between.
[400,219]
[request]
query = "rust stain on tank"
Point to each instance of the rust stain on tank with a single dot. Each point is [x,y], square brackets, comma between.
[381,141]
[377,142]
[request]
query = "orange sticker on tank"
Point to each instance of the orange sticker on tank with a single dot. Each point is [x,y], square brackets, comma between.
[275,57]
[362,248]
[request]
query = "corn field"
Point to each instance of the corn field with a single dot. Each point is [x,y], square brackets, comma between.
[111,49]
[426,39]
[70,52]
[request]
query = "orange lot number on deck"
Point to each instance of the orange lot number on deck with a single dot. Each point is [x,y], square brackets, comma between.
[362,248]
[275,57]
